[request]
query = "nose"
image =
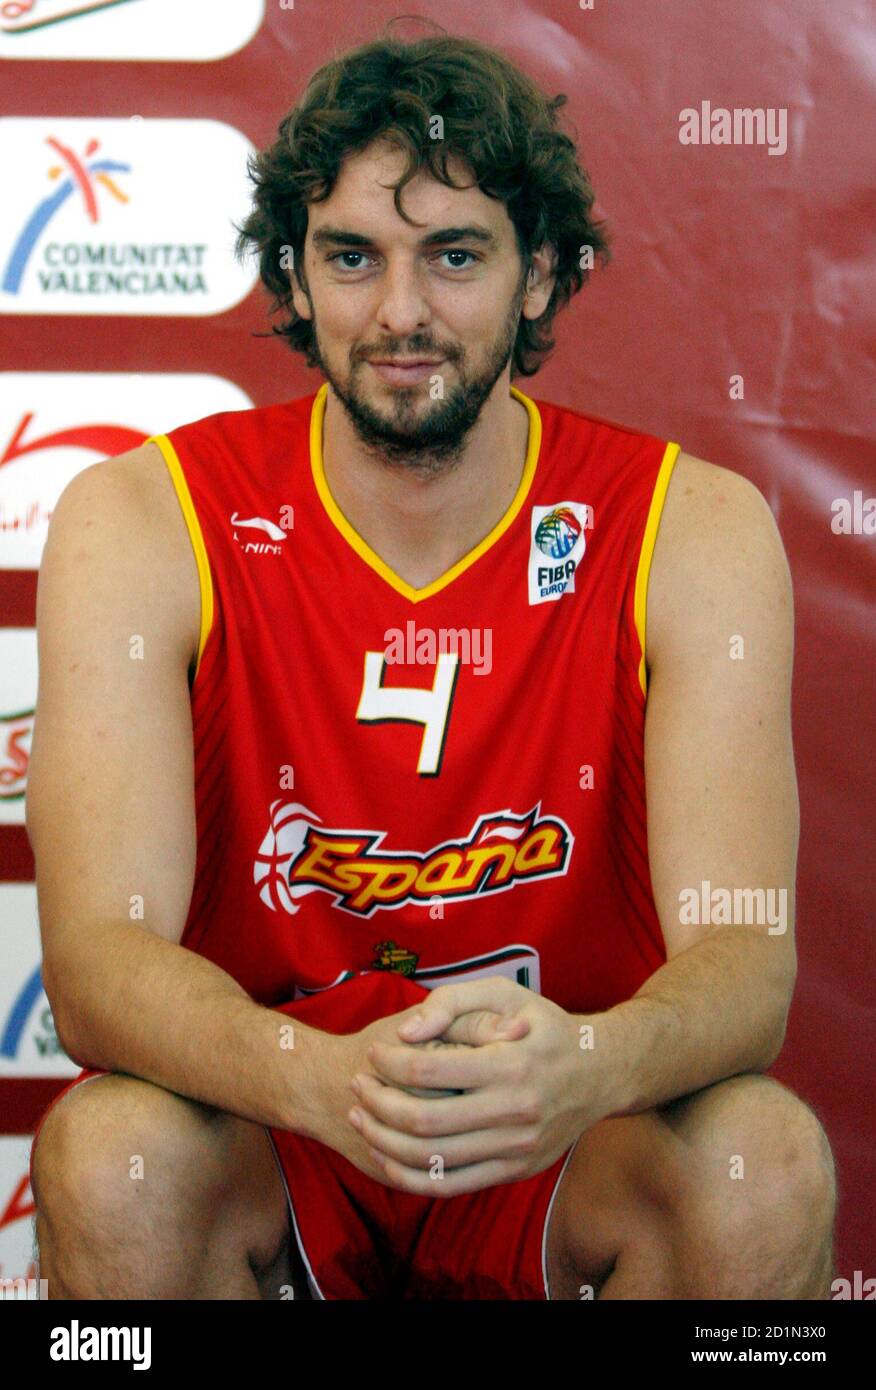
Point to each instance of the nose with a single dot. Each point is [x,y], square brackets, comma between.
[403,306]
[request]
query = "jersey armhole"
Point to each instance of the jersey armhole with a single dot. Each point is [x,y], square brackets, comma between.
[193,526]
[646,554]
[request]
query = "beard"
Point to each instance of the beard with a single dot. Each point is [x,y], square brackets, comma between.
[427,439]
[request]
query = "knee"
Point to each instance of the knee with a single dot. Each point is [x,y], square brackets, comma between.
[772,1149]
[110,1146]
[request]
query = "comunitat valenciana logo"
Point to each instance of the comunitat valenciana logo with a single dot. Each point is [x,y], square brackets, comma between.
[111,216]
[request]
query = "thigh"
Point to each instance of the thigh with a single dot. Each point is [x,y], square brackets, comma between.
[623,1182]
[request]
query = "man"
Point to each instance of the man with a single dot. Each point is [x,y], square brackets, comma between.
[351,710]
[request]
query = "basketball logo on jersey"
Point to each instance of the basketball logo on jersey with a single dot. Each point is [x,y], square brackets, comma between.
[557,548]
[298,856]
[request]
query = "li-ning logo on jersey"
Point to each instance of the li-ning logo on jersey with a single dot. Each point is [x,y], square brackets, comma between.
[503,850]
[251,546]
[556,549]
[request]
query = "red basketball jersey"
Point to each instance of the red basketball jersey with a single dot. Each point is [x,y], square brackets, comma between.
[448,781]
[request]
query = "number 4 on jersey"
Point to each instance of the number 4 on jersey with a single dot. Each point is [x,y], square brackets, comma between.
[381,704]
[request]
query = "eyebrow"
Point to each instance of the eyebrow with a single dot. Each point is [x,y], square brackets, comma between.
[338,236]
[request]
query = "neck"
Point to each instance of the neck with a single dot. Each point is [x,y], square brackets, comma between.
[422,524]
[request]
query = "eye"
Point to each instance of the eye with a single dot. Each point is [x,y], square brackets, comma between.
[360,257]
[459,252]
[338,254]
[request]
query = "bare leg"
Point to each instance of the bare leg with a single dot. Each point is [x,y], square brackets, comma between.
[728,1193]
[142,1193]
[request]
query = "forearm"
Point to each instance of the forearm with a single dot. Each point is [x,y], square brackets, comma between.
[130,1001]
[712,1011]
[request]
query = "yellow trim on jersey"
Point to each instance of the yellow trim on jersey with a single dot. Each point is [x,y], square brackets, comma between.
[655,511]
[363,549]
[205,581]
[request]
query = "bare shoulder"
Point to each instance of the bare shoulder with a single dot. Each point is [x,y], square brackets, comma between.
[136,484]
[718,557]
[705,497]
[122,515]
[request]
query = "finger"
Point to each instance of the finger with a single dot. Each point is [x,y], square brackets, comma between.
[440,1068]
[487,1108]
[447,1002]
[455,1151]
[451,1183]
[484,1026]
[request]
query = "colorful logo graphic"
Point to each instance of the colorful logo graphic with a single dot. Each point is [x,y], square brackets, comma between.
[557,533]
[16,16]
[16,732]
[388,955]
[557,549]
[54,424]
[144,31]
[23,1006]
[503,850]
[81,177]
[147,234]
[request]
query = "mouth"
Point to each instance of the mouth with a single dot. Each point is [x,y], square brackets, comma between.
[404,371]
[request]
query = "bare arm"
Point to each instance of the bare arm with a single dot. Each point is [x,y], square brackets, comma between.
[110,809]
[722,796]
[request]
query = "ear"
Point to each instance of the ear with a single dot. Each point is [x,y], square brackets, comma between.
[299,298]
[539,283]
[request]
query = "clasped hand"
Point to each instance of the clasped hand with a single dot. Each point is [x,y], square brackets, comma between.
[529,1090]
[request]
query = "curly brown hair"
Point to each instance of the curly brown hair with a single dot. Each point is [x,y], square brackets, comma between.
[495,119]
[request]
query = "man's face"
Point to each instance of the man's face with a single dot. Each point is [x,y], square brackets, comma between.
[443,297]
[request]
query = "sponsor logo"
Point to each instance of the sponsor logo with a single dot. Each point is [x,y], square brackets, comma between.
[147,31]
[29,1044]
[557,548]
[11,1290]
[72,174]
[30,1017]
[54,424]
[18,690]
[112,216]
[19,1276]
[16,732]
[275,533]
[297,857]
[33,14]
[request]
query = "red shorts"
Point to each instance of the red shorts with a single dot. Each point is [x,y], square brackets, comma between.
[359,1239]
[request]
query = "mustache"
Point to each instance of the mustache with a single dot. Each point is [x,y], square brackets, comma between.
[395,349]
